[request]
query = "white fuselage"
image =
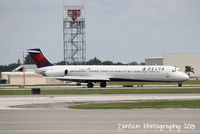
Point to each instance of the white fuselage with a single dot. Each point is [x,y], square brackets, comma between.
[85,73]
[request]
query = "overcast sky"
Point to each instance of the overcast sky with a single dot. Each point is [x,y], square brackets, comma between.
[118,30]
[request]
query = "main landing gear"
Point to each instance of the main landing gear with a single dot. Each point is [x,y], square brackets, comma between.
[91,85]
[180,84]
[103,84]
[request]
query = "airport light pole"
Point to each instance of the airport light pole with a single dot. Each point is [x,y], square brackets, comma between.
[23,63]
[24,78]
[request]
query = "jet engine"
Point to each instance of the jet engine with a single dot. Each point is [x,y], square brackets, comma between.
[54,73]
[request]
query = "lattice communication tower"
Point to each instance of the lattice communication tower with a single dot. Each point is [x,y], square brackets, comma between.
[74,34]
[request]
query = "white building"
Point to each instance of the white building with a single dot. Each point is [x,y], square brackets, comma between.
[154,61]
[182,60]
[28,77]
[179,60]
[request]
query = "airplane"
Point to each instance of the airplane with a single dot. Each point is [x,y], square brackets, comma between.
[91,74]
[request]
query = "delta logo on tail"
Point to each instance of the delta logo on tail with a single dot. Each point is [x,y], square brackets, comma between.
[39,58]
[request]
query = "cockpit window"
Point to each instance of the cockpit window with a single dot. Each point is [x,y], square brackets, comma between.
[176,70]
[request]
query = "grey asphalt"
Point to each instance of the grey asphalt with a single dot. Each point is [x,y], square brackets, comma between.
[97,87]
[52,119]
[69,121]
[7,102]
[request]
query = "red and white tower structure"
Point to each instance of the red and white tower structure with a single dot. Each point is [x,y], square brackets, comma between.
[74,33]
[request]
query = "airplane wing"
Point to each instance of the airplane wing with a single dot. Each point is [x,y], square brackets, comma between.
[81,78]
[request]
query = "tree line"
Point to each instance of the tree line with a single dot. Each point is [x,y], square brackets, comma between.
[94,61]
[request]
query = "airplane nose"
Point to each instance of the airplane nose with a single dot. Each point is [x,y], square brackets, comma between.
[181,76]
[185,76]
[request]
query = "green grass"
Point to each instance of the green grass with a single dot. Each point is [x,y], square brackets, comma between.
[8,85]
[105,91]
[52,85]
[192,82]
[132,105]
[15,92]
[123,91]
[42,85]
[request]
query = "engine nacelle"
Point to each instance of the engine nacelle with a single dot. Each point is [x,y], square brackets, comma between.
[55,73]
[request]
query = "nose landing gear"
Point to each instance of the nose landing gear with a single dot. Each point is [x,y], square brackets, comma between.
[180,84]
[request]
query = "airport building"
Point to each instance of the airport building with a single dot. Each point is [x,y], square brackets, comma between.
[180,60]
[28,77]
[154,61]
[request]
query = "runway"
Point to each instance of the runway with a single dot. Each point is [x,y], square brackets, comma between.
[7,102]
[151,121]
[97,87]
[48,114]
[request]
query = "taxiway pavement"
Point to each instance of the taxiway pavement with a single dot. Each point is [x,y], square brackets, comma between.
[139,121]
[97,87]
[48,114]
[7,102]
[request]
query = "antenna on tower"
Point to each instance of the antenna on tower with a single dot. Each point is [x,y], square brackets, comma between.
[74,41]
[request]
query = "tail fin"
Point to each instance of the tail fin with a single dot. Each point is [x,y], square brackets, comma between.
[39,58]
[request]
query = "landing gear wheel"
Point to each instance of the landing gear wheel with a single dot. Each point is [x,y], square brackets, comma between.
[180,84]
[90,85]
[103,84]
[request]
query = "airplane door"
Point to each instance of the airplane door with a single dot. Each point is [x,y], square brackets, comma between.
[66,72]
